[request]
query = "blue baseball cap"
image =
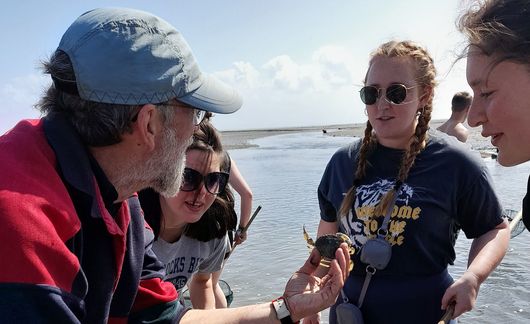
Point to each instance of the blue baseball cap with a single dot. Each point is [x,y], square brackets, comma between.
[131,57]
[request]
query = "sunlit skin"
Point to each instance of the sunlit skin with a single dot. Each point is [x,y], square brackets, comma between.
[394,124]
[188,206]
[501,105]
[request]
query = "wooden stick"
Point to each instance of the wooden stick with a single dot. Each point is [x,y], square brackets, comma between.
[449,312]
[243,230]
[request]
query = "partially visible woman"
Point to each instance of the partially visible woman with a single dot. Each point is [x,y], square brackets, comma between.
[429,186]
[498,71]
[191,227]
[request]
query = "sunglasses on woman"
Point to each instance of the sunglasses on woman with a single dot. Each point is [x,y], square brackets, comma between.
[395,94]
[214,182]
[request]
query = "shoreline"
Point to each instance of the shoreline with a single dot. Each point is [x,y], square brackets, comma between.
[235,140]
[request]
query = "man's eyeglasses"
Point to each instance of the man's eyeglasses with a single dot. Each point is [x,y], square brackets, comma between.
[395,94]
[214,182]
[198,116]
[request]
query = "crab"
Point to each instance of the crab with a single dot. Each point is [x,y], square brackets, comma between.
[328,244]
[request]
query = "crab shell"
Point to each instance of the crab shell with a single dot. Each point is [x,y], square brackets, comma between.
[329,243]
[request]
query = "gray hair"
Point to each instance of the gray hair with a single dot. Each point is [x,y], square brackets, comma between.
[98,124]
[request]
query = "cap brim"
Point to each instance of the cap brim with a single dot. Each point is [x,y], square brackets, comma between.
[213,96]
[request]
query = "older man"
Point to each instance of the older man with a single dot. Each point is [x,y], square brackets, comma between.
[126,96]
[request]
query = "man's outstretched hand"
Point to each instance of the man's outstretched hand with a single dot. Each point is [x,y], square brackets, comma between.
[306,293]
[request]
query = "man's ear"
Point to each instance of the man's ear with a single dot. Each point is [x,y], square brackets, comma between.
[147,126]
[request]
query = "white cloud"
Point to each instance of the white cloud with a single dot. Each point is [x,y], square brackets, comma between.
[335,64]
[328,67]
[243,73]
[284,92]
[285,73]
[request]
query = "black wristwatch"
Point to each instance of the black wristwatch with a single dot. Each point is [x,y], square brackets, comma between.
[282,312]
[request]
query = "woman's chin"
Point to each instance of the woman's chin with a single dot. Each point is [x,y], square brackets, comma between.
[507,160]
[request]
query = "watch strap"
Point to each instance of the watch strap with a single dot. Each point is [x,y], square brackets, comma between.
[282,312]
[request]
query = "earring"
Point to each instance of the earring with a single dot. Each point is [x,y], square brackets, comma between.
[365,112]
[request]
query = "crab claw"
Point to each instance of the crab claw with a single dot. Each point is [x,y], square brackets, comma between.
[309,240]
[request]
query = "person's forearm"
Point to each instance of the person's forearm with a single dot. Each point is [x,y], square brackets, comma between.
[327,228]
[243,189]
[246,209]
[202,294]
[487,251]
[261,313]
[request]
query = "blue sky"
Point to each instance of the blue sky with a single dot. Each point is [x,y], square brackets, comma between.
[296,63]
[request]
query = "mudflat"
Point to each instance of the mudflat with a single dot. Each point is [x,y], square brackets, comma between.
[233,140]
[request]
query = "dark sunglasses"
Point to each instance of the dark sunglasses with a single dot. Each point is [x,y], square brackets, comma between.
[214,182]
[395,94]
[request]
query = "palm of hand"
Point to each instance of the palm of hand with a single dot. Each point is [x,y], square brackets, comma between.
[313,287]
[306,293]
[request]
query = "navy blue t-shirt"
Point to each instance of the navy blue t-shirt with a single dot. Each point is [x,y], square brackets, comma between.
[447,189]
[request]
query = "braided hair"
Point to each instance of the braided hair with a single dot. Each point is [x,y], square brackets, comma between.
[425,74]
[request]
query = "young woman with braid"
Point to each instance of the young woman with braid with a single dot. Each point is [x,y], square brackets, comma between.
[432,186]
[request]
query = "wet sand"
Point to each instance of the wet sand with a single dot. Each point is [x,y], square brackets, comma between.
[233,140]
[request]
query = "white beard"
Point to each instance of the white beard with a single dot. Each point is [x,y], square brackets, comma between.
[162,171]
[168,164]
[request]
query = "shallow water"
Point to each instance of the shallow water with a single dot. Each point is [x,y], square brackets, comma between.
[284,172]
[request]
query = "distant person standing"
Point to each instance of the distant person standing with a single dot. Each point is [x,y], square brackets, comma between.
[454,125]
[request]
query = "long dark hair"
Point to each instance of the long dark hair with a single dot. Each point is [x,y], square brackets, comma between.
[499,28]
[216,221]
[225,207]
